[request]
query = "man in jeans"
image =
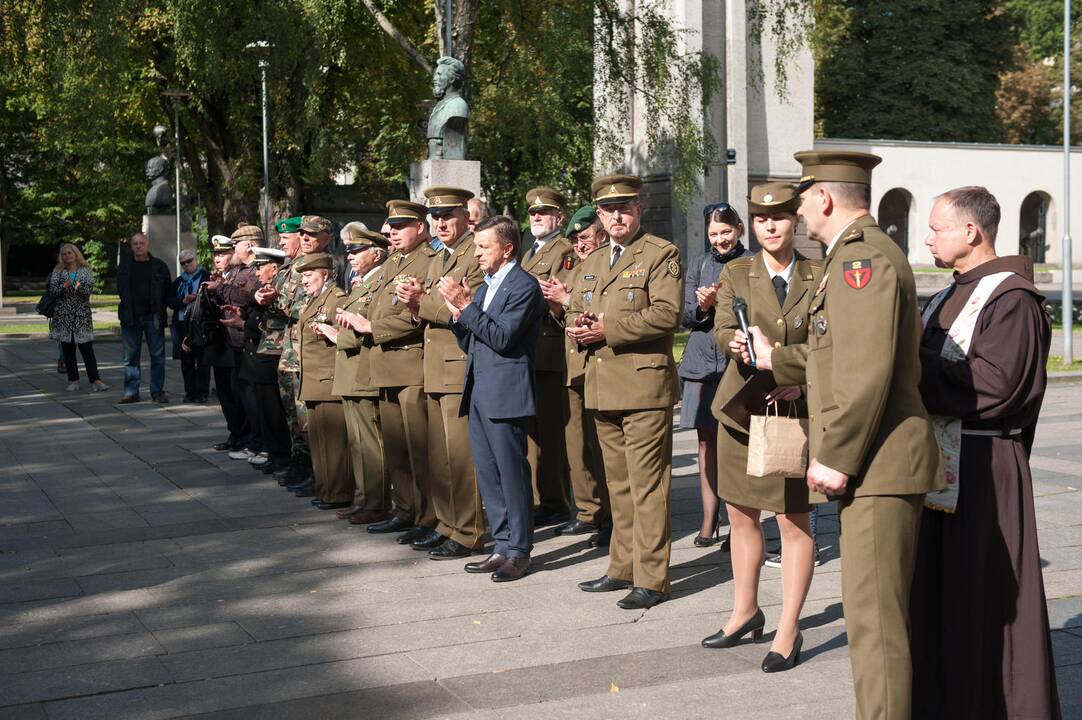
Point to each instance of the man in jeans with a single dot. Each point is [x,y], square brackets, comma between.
[143,282]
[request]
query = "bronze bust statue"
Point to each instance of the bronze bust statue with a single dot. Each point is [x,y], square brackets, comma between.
[447,122]
[160,196]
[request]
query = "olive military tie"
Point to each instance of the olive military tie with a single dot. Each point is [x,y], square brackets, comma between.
[780,287]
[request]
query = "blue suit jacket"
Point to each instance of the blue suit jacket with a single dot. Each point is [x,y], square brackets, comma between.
[501,344]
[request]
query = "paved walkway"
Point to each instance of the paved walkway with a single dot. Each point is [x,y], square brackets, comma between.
[143,575]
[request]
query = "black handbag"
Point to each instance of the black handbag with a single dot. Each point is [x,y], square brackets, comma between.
[47,304]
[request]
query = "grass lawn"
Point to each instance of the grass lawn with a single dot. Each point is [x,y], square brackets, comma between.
[10,328]
[31,297]
[679,343]
[1055,362]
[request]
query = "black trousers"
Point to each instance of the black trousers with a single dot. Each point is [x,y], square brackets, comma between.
[89,360]
[196,374]
[233,411]
[273,423]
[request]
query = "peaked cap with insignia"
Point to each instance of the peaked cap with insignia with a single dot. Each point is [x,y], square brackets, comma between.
[221,244]
[442,197]
[315,261]
[268,255]
[615,188]
[545,197]
[362,238]
[773,197]
[405,211]
[835,166]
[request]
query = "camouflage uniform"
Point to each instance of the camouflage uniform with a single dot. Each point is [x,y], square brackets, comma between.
[280,338]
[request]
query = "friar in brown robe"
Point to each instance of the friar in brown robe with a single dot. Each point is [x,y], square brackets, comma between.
[981,645]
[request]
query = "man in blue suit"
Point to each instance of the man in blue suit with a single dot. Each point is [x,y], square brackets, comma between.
[498,327]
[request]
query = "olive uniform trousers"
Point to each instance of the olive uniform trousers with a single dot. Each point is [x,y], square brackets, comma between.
[404,427]
[329,440]
[366,454]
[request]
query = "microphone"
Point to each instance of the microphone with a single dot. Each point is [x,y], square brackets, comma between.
[740,309]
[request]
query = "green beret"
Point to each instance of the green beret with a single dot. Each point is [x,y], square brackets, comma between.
[315,261]
[289,225]
[583,218]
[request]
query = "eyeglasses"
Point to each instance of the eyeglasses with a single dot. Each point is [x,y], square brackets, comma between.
[716,207]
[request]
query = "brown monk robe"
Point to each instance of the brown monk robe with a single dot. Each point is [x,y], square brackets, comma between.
[979,634]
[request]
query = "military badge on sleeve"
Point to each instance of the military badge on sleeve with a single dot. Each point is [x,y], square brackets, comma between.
[857,273]
[569,262]
[674,268]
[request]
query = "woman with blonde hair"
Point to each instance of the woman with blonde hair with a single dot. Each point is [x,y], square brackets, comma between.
[72,323]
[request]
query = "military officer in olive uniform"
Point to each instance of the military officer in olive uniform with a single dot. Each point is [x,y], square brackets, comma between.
[625,309]
[326,423]
[461,524]
[870,441]
[585,463]
[397,365]
[367,251]
[549,256]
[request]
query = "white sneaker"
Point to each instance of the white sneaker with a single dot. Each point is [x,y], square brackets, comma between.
[73,386]
[259,460]
[242,454]
[98,386]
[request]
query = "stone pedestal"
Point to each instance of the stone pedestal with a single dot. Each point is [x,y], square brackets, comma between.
[465,174]
[162,232]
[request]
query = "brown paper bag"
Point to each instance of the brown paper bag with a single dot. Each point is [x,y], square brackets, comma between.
[777,446]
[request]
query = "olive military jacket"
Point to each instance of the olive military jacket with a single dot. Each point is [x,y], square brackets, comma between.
[576,354]
[317,353]
[861,368]
[554,260]
[748,278]
[641,299]
[353,361]
[445,362]
[397,358]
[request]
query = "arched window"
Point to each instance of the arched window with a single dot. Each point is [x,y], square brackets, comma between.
[894,216]
[1033,225]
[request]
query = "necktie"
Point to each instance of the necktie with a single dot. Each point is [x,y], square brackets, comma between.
[780,287]
[534,249]
[616,250]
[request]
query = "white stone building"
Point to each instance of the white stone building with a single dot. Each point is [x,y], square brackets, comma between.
[765,130]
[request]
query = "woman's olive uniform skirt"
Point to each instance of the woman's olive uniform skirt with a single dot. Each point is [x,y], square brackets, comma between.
[735,486]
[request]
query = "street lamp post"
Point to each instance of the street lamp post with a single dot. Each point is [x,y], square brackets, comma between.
[176,96]
[1067,298]
[263,46]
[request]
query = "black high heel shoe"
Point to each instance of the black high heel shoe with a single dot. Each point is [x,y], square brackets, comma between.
[774,662]
[703,541]
[754,626]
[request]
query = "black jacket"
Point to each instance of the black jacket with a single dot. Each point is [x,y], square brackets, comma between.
[159,290]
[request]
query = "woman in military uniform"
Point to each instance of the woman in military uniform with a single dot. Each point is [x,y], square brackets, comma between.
[777,284]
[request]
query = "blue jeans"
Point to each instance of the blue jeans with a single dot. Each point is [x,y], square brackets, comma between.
[132,337]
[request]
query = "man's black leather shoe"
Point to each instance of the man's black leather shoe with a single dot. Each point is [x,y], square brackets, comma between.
[306,483]
[450,550]
[513,569]
[576,527]
[428,541]
[412,534]
[604,584]
[307,490]
[228,445]
[641,599]
[601,539]
[332,505]
[490,564]
[390,525]
[549,516]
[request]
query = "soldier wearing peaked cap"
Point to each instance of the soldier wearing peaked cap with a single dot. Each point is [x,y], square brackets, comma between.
[353,376]
[327,433]
[460,522]
[586,467]
[549,257]
[870,441]
[397,368]
[625,310]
